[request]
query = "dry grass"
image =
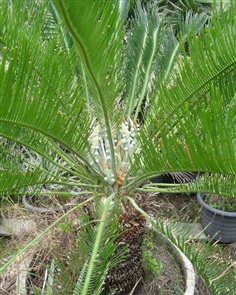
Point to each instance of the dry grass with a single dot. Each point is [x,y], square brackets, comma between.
[53,243]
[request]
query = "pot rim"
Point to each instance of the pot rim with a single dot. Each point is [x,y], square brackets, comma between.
[201,197]
[188,269]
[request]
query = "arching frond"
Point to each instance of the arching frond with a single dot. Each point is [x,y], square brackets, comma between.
[96,29]
[212,56]
[198,253]
[42,100]
[208,183]
[42,96]
[192,127]
[142,46]
[152,48]
[97,244]
[20,168]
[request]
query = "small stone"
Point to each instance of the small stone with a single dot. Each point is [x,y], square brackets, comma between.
[16,227]
[196,230]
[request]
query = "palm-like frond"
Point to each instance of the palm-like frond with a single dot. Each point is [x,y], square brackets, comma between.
[193,120]
[153,46]
[97,32]
[143,44]
[23,250]
[42,100]
[51,90]
[97,244]
[17,180]
[209,183]
[96,29]
[21,168]
[215,46]
[31,85]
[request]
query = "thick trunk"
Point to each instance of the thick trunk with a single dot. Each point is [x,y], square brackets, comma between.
[122,278]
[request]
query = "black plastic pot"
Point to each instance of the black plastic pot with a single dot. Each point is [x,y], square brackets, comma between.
[157,179]
[219,225]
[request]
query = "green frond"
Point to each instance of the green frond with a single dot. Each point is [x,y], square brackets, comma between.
[97,244]
[27,153]
[201,142]
[96,29]
[192,127]
[22,168]
[36,93]
[223,185]
[147,42]
[152,50]
[124,8]
[18,180]
[42,99]
[212,55]
[24,250]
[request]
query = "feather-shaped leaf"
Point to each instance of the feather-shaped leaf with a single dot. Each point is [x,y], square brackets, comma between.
[194,118]
[96,29]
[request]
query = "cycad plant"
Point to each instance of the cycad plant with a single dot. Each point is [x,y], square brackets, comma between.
[110,102]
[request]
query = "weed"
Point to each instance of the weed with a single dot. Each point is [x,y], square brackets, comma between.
[150,263]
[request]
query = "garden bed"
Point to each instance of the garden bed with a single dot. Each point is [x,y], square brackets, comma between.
[178,206]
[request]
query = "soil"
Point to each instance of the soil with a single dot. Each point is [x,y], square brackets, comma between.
[169,281]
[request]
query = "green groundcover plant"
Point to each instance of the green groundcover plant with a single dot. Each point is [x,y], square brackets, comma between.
[103,102]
